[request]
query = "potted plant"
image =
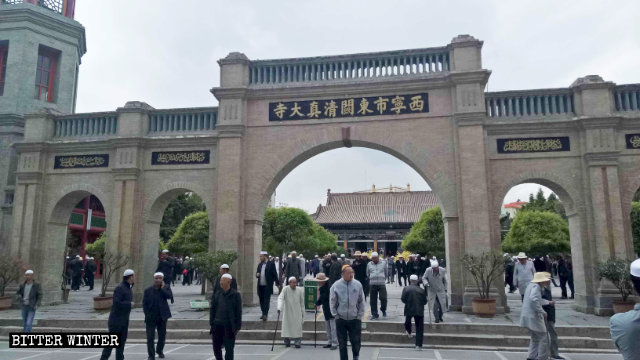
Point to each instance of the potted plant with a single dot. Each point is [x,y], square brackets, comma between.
[485,269]
[111,264]
[9,273]
[617,272]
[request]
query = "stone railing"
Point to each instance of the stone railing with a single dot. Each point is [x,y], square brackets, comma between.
[86,125]
[358,66]
[530,103]
[182,120]
[627,97]
[53,5]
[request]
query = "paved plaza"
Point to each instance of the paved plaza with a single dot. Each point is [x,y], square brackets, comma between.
[307,352]
[80,306]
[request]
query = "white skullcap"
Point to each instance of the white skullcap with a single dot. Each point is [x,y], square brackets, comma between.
[434,264]
[224,266]
[67,257]
[413,277]
[374,254]
[292,278]
[158,274]
[78,256]
[28,272]
[264,253]
[316,256]
[341,255]
[165,251]
[227,276]
[635,268]
[128,272]
[294,252]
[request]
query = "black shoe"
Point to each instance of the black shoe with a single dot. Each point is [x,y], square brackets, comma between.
[287,345]
[327,346]
[297,346]
[161,355]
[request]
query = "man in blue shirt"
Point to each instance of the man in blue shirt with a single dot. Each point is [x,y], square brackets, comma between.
[625,327]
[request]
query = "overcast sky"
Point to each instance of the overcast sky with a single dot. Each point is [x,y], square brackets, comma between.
[164,53]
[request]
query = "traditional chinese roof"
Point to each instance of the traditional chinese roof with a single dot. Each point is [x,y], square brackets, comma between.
[375,207]
[515,205]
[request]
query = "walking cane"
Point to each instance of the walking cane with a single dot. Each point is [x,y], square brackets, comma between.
[315,334]
[275,332]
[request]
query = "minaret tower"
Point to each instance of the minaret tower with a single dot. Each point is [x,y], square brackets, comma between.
[40,50]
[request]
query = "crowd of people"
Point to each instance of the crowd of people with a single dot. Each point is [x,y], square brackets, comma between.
[344,285]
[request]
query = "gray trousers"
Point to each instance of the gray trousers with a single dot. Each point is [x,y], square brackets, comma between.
[538,345]
[553,339]
[332,332]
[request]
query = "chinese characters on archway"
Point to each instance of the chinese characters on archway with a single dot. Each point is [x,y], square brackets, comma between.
[349,107]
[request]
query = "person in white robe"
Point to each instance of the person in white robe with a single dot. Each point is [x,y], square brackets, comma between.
[291,305]
[435,281]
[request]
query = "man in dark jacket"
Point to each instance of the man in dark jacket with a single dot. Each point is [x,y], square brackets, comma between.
[293,268]
[225,318]
[166,264]
[401,268]
[156,313]
[29,294]
[335,270]
[90,269]
[508,273]
[539,265]
[224,269]
[565,272]
[329,320]
[76,273]
[119,315]
[267,275]
[414,298]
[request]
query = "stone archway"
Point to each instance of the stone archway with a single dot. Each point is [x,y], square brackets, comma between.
[155,205]
[48,256]
[581,250]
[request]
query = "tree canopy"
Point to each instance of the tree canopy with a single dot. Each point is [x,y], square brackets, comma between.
[286,229]
[540,203]
[192,235]
[426,236]
[537,233]
[177,210]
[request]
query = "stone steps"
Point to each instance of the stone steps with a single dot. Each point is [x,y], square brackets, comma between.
[253,332]
[371,326]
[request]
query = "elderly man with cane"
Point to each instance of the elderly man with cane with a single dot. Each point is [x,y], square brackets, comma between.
[435,281]
[533,317]
[291,304]
[225,318]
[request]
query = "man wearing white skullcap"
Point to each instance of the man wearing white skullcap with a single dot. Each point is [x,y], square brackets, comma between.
[156,313]
[414,298]
[120,311]
[291,304]
[625,327]
[267,275]
[166,265]
[224,269]
[30,295]
[377,271]
[435,280]
[225,318]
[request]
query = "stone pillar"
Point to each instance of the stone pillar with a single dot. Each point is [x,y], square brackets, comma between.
[11,132]
[124,231]
[232,231]
[469,80]
[593,99]
[454,246]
